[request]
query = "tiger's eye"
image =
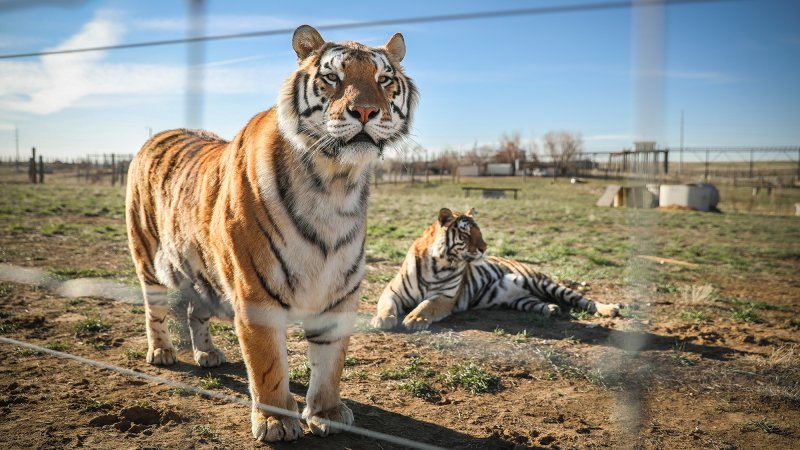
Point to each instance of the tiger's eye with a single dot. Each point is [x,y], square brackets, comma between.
[332,77]
[383,79]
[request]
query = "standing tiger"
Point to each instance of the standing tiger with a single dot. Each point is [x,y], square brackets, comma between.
[270,226]
[445,271]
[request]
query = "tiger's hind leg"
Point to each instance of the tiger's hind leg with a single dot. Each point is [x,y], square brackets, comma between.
[160,350]
[535,305]
[205,353]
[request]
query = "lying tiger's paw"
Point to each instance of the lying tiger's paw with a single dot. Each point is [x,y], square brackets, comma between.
[383,323]
[551,310]
[162,356]
[276,428]
[415,322]
[211,358]
[339,414]
[608,309]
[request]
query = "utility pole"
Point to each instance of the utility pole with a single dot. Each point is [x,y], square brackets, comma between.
[680,166]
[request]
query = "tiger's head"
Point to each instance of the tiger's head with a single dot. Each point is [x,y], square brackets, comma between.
[346,101]
[457,237]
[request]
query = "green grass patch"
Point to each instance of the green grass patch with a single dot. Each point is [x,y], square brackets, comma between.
[92,405]
[765,425]
[350,361]
[300,374]
[562,366]
[581,315]
[5,289]
[206,432]
[91,325]
[756,304]
[134,353]
[745,314]
[24,351]
[692,315]
[414,368]
[420,388]
[209,382]
[180,391]
[57,346]
[7,326]
[138,310]
[473,378]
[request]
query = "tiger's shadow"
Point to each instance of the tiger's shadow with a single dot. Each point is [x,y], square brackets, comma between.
[512,323]
[372,417]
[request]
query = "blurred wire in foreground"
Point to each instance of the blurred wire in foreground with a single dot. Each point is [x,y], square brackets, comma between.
[581,7]
[228,398]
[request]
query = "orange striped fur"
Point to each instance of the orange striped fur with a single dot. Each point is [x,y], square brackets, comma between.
[269,228]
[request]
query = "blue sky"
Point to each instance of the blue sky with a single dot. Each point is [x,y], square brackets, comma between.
[732,67]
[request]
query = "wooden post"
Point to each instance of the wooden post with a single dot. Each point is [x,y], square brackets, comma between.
[32,166]
[113,171]
[705,175]
[41,170]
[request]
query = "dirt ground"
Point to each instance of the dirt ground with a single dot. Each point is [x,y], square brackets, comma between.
[649,380]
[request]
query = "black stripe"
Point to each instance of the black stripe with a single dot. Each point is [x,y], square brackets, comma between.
[266,287]
[342,298]
[313,334]
[347,238]
[327,342]
[311,110]
[305,89]
[287,273]
[307,231]
[417,269]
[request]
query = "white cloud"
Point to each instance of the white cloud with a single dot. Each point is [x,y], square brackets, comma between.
[57,82]
[60,80]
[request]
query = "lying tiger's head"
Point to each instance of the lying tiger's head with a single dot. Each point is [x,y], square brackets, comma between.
[346,101]
[457,237]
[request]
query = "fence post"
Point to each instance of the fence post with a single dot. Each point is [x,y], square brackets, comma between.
[32,166]
[751,163]
[705,175]
[113,171]
[41,170]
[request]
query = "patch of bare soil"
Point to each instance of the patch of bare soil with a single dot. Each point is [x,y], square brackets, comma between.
[656,381]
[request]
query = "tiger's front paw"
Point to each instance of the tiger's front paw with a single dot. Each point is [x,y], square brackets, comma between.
[383,323]
[211,358]
[162,356]
[608,309]
[339,414]
[416,322]
[276,428]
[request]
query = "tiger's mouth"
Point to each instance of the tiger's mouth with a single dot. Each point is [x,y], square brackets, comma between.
[362,137]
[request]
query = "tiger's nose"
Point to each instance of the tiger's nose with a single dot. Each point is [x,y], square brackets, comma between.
[363,114]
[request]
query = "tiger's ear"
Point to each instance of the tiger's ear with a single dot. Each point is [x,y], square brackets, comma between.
[305,40]
[471,212]
[445,215]
[396,47]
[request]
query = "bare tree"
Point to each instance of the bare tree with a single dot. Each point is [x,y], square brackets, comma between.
[562,147]
[509,148]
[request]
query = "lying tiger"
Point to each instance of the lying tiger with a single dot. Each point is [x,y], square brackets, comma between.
[446,271]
